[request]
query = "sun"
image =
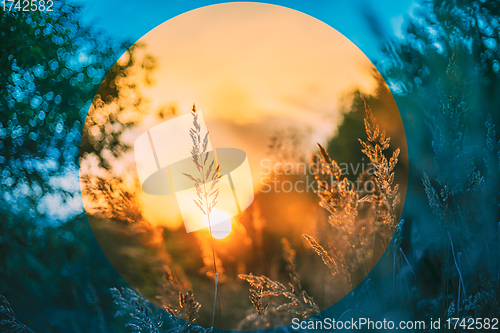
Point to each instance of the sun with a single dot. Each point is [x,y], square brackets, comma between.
[221,228]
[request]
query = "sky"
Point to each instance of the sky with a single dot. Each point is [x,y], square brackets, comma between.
[254,68]
[289,70]
[133,19]
[251,79]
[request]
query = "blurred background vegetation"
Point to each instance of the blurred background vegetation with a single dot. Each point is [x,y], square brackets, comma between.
[444,260]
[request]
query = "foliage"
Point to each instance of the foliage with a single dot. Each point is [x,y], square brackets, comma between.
[482,304]
[50,68]
[118,105]
[445,72]
[51,65]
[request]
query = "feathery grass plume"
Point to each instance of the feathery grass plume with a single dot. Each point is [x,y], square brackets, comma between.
[353,238]
[8,321]
[434,199]
[386,197]
[330,262]
[146,317]
[175,300]
[483,304]
[256,299]
[289,257]
[207,198]
[298,302]
[189,305]
[340,200]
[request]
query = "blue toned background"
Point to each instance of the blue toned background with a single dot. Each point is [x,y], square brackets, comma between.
[440,59]
[365,23]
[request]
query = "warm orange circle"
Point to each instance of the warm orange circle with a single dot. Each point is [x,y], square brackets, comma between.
[272,82]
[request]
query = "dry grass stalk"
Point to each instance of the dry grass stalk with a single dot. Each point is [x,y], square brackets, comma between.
[256,299]
[175,301]
[330,262]
[387,196]
[207,196]
[352,240]
[298,303]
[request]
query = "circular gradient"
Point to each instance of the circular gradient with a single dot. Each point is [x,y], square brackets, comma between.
[271,83]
